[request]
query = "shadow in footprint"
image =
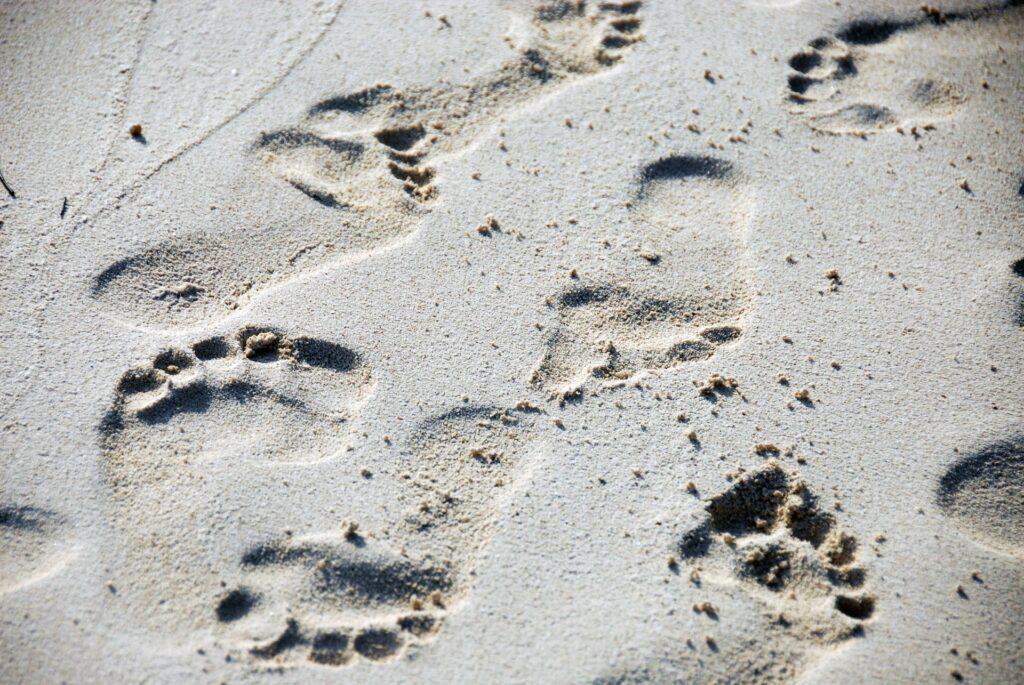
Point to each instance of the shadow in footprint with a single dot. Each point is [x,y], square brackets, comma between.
[343,574]
[236,605]
[686,166]
[1018,289]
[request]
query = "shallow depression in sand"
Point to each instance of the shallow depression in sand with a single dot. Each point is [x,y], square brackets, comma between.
[984,494]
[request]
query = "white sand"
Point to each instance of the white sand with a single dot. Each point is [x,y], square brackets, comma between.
[387,352]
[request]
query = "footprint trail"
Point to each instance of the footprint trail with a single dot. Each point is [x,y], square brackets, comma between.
[371,159]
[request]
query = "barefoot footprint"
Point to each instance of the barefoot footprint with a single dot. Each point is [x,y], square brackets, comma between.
[338,598]
[983,493]
[767,536]
[259,383]
[370,159]
[694,291]
[181,427]
[332,598]
[612,332]
[34,544]
[361,148]
[877,74]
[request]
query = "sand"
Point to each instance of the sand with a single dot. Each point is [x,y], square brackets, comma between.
[512,342]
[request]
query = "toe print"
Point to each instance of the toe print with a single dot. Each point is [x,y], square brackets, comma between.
[875,75]
[767,536]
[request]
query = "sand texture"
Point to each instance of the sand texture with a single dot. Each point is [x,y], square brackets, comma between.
[512,341]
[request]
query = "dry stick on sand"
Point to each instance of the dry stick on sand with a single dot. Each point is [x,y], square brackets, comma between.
[10,191]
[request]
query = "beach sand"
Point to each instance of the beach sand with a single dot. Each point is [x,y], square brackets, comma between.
[512,342]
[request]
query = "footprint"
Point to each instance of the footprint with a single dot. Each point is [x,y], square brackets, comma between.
[195,421]
[33,546]
[983,493]
[262,397]
[371,158]
[882,74]
[367,148]
[691,216]
[334,599]
[460,466]
[767,536]
[612,332]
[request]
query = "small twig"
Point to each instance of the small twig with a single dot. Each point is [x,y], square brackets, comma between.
[9,190]
[64,208]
